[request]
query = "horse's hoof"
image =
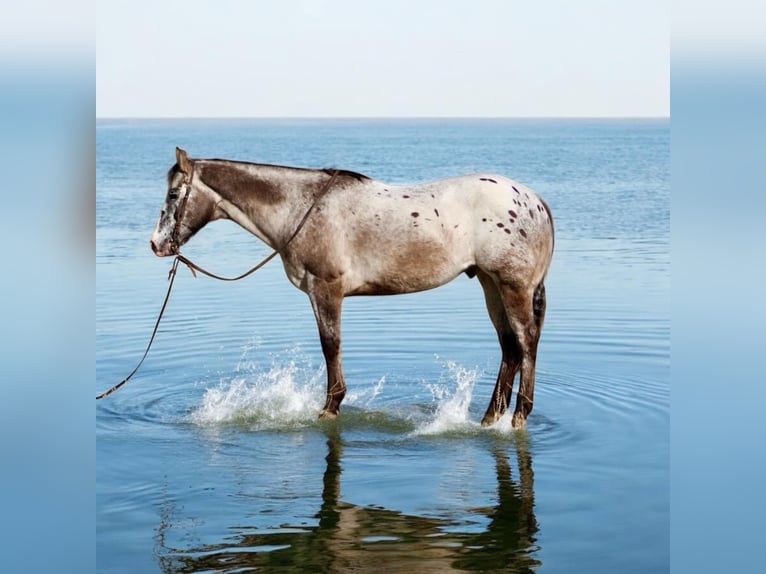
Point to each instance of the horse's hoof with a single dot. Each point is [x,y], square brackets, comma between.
[489,420]
[327,415]
[518,422]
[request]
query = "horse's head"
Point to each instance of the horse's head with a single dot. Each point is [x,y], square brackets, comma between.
[187,208]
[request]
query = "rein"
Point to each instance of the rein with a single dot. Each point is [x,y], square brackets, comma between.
[193,266]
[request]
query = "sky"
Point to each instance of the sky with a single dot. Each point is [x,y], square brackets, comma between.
[383,58]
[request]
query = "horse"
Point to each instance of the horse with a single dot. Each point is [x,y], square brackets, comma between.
[340,233]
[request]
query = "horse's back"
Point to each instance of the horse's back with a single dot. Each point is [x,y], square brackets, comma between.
[407,238]
[490,211]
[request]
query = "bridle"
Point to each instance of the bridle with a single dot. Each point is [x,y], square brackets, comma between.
[175,249]
[175,245]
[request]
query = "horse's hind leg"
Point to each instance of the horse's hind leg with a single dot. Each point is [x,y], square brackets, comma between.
[526,312]
[326,300]
[511,354]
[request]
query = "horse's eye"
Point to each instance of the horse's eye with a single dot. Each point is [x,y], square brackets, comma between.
[172,195]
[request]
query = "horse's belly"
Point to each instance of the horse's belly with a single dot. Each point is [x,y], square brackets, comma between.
[405,268]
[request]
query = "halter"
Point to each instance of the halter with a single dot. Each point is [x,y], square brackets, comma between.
[174,243]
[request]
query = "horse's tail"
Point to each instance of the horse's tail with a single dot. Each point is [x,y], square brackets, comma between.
[553,229]
[538,300]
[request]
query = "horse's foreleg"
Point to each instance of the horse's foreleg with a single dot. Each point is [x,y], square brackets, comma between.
[326,300]
[511,355]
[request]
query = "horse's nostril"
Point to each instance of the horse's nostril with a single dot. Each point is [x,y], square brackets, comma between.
[152,245]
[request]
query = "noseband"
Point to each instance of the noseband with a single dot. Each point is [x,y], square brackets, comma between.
[175,245]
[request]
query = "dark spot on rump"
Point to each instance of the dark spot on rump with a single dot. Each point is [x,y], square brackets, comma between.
[455,226]
[526,195]
[508,231]
[406,196]
[471,271]
[523,233]
[415,214]
[484,219]
[514,189]
[531,214]
[512,213]
[500,225]
[436,211]
[432,196]
[489,179]
[539,207]
[525,204]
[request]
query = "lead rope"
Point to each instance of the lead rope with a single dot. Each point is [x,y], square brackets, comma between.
[171,278]
[193,266]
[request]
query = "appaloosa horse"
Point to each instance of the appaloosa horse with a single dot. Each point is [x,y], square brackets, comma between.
[364,237]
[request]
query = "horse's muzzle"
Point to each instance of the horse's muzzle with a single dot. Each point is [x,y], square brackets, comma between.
[160,252]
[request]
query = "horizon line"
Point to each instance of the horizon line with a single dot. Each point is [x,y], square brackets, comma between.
[636,117]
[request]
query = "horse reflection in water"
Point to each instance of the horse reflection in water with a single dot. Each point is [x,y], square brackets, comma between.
[341,542]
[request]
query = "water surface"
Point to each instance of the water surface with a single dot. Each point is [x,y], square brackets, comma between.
[212,459]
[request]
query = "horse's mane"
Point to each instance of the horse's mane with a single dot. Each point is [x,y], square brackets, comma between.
[327,170]
[346,173]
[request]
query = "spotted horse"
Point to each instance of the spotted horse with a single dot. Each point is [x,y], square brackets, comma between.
[365,237]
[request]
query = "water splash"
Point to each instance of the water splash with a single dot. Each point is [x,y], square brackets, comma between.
[287,395]
[364,397]
[452,406]
[248,364]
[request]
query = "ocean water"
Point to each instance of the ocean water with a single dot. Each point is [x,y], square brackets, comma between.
[212,460]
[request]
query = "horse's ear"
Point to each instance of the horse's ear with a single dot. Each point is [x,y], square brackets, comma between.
[182,158]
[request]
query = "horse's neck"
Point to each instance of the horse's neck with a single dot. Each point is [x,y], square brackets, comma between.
[245,221]
[265,200]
